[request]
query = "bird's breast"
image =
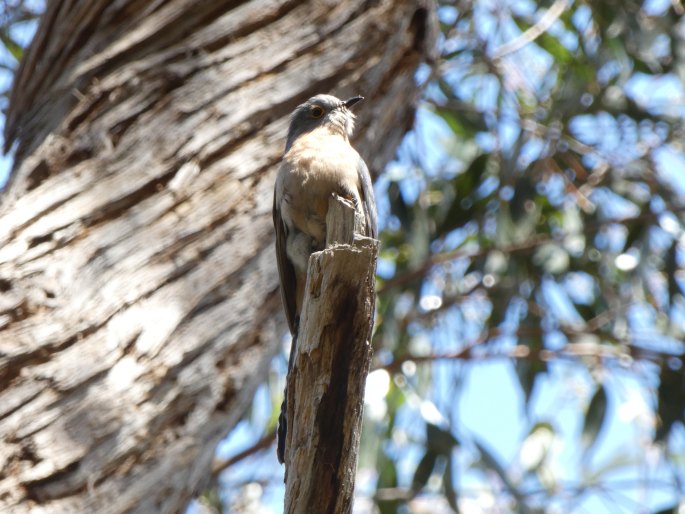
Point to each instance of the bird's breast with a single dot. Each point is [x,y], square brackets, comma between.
[315,167]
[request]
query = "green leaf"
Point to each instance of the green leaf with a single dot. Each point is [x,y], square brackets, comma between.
[671,394]
[387,472]
[397,204]
[439,440]
[464,185]
[594,418]
[424,470]
[522,202]
[394,400]
[450,492]
[527,370]
[669,510]
[554,47]
[671,267]
[635,232]
[463,118]
[14,48]
[500,303]
[522,23]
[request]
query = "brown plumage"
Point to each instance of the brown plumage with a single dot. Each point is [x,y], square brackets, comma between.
[318,161]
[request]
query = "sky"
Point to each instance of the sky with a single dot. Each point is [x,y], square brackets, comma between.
[22,34]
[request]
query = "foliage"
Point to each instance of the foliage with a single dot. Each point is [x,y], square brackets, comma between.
[537,213]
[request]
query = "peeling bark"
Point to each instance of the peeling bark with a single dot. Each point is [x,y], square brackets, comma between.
[326,383]
[138,289]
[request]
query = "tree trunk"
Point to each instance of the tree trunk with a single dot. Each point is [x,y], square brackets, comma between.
[138,286]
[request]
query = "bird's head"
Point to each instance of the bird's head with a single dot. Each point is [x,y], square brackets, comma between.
[323,111]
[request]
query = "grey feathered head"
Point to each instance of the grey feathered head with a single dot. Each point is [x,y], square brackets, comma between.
[321,110]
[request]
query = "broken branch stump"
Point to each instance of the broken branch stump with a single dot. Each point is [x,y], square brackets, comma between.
[326,384]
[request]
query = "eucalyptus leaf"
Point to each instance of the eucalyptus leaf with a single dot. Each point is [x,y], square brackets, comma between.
[595,417]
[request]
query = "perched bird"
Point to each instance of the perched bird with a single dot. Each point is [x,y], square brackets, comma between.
[318,161]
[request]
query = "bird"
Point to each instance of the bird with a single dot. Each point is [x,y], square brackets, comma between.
[318,161]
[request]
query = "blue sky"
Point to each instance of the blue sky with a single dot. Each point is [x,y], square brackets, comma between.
[22,34]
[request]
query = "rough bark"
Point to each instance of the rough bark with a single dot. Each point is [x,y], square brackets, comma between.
[326,383]
[138,289]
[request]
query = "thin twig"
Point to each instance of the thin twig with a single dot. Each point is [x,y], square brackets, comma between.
[533,32]
[621,352]
[267,440]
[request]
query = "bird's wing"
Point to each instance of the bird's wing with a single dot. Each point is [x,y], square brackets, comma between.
[368,199]
[286,271]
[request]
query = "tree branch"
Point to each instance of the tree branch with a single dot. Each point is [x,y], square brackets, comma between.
[439,258]
[326,384]
[533,32]
[623,352]
[266,441]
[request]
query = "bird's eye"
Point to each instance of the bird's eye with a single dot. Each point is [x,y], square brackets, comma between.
[317,111]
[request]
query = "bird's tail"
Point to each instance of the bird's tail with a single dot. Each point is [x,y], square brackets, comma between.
[283,416]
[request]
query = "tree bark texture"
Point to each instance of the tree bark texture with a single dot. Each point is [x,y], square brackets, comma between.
[326,383]
[138,286]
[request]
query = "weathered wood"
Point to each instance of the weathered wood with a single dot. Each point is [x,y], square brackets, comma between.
[139,290]
[326,384]
[342,221]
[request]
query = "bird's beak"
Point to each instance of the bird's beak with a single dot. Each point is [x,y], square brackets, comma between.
[349,103]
